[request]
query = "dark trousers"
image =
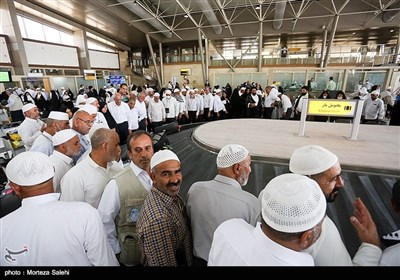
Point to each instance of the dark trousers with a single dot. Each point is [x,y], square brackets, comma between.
[268,112]
[142,125]
[123,131]
[288,114]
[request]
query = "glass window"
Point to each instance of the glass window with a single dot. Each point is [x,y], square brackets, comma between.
[52,35]
[376,78]
[353,80]
[22,26]
[34,30]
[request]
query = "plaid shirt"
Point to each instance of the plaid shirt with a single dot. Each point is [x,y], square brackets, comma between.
[163,233]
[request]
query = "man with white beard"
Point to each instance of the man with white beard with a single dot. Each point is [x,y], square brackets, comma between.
[211,203]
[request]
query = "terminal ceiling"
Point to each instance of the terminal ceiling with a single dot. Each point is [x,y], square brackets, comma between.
[228,23]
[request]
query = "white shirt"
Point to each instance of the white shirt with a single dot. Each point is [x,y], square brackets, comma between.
[29,130]
[271,98]
[210,203]
[391,256]
[62,164]
[286,103]
[133,121]
[172,105]
[156,111]
[373,109]
[237,243]
[218,105]
[43,144]
[142,111]
[54,233]
[84,182]
[329,249]
[303,98]
[100,119]
[209,101]
[110,205]
[193,105]
[120,113]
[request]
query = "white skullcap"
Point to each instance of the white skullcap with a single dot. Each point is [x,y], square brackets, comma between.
[80,98]
[217,90]
[27,107]
[89,109]
[156,94]
[230,155]
[62,87]
[363,91]
[161,156]
[183,89]
[311,160]
[273,86]
[292,203]
[375,92]
[389,88]
[63,136]
[167,91]
[29,169]
[176,90]
[38,89]
[242,88]
[90,100]
[60,116]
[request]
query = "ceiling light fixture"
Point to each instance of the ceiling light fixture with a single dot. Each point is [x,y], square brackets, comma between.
[186,16]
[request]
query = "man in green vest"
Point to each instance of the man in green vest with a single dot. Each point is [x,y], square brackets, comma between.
[123,198]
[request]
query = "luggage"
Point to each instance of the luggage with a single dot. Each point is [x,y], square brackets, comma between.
[169,128]
[161,142]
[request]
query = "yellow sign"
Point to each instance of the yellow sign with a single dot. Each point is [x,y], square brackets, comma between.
[332,107]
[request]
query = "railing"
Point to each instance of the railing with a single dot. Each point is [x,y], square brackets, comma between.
[341,58]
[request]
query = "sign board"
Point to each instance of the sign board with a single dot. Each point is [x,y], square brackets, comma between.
[186,72]
[332,107]
[35,75]
[89,75]
[117,79]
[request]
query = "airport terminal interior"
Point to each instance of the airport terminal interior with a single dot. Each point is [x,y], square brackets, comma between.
[72,48]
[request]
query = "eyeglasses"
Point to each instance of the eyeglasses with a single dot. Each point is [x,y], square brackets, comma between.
[87,122]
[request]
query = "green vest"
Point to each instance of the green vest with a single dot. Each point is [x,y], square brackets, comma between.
[132,195]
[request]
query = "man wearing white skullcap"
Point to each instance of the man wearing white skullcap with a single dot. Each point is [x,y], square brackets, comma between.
[92,107]
[156,112]
[56,121]
[118,214]
[88,178]
[293,208]
[323,166]
[224,198]
[32,126]
[171,107]
[44,230]
[373,109]
[66,145]
[162,227]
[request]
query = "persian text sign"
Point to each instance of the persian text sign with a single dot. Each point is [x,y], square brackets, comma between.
[332,107]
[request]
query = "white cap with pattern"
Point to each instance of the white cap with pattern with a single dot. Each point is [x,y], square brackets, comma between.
[311,160]
[230,155]
[29,169]
[63,136]
[292,203]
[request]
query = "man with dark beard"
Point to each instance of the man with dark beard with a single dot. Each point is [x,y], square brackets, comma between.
[323,166]
[210,203]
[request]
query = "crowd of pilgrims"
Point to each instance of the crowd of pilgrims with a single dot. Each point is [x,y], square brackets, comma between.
[83,142]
